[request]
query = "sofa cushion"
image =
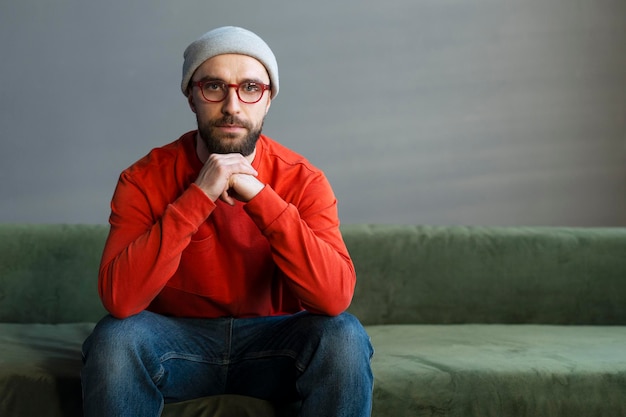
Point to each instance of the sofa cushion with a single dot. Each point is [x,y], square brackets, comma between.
[40,376]
[419,370]
[512,275]
[40,369]
[49,273]
[229,406]
[499,370]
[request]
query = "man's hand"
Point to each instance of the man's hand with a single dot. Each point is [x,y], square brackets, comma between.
[229,177]
[243,187]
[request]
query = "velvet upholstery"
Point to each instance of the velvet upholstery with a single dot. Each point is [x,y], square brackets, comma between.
[465,321]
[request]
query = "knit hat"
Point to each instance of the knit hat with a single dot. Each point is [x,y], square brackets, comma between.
[228,40]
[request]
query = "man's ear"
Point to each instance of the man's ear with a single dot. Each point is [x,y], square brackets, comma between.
[267,106]
[190,101]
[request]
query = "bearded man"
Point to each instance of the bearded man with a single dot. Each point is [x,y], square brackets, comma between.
[225,271]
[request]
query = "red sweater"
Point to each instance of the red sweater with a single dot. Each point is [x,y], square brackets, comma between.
[173,251]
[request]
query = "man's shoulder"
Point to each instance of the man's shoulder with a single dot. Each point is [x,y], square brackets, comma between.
[160,157]
[281,154]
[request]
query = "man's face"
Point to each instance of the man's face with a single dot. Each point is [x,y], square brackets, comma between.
[230,126]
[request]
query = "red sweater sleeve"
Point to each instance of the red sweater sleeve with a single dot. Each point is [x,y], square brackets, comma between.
[141,255]
[307,246]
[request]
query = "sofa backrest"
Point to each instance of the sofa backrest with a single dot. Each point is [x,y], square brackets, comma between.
[455,274]
[405,274]
[48,273]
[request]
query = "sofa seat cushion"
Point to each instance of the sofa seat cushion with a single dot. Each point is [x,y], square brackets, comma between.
[420,370]
[499,370]
[40,376]
[40,369]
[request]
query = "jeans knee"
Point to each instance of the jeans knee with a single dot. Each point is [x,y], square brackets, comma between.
[112,339]
[344,339]
[116,349]
[338,356]
[108,330]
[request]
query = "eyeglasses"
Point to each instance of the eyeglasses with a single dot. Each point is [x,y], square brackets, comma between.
[249,92]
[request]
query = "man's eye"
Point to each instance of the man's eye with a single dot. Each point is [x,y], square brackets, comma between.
[213,86]
[251,87]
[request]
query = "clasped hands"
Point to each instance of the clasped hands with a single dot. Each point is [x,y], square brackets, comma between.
[229,177]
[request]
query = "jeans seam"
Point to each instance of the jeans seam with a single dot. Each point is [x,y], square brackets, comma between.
[159,375]
[272,354]
[192,358]
[268,354]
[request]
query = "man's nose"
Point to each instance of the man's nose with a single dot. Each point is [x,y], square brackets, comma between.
[231,104]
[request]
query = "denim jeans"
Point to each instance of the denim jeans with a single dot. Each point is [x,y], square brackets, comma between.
[135,365]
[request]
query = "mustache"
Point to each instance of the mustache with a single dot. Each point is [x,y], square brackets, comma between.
[231,120]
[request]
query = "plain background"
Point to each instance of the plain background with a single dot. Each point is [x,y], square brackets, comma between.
[474,112]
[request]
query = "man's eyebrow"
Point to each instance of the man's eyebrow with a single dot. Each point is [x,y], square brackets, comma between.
[210,78]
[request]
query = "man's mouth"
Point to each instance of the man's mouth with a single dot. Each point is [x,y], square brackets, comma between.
[230,127]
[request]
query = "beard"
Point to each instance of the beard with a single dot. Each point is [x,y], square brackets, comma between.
[222,143]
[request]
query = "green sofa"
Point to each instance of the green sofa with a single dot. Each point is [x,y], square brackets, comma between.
[465,321]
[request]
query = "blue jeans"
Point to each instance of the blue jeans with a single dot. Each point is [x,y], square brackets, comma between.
[133,366]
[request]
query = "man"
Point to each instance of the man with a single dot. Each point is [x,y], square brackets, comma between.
[225,270]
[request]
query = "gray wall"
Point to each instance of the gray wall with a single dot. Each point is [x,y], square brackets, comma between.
[487,112]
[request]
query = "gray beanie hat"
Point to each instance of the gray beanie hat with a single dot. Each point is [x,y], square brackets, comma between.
[228,40]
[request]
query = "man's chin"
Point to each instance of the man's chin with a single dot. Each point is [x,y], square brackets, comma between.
[221,139]
[224,144]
